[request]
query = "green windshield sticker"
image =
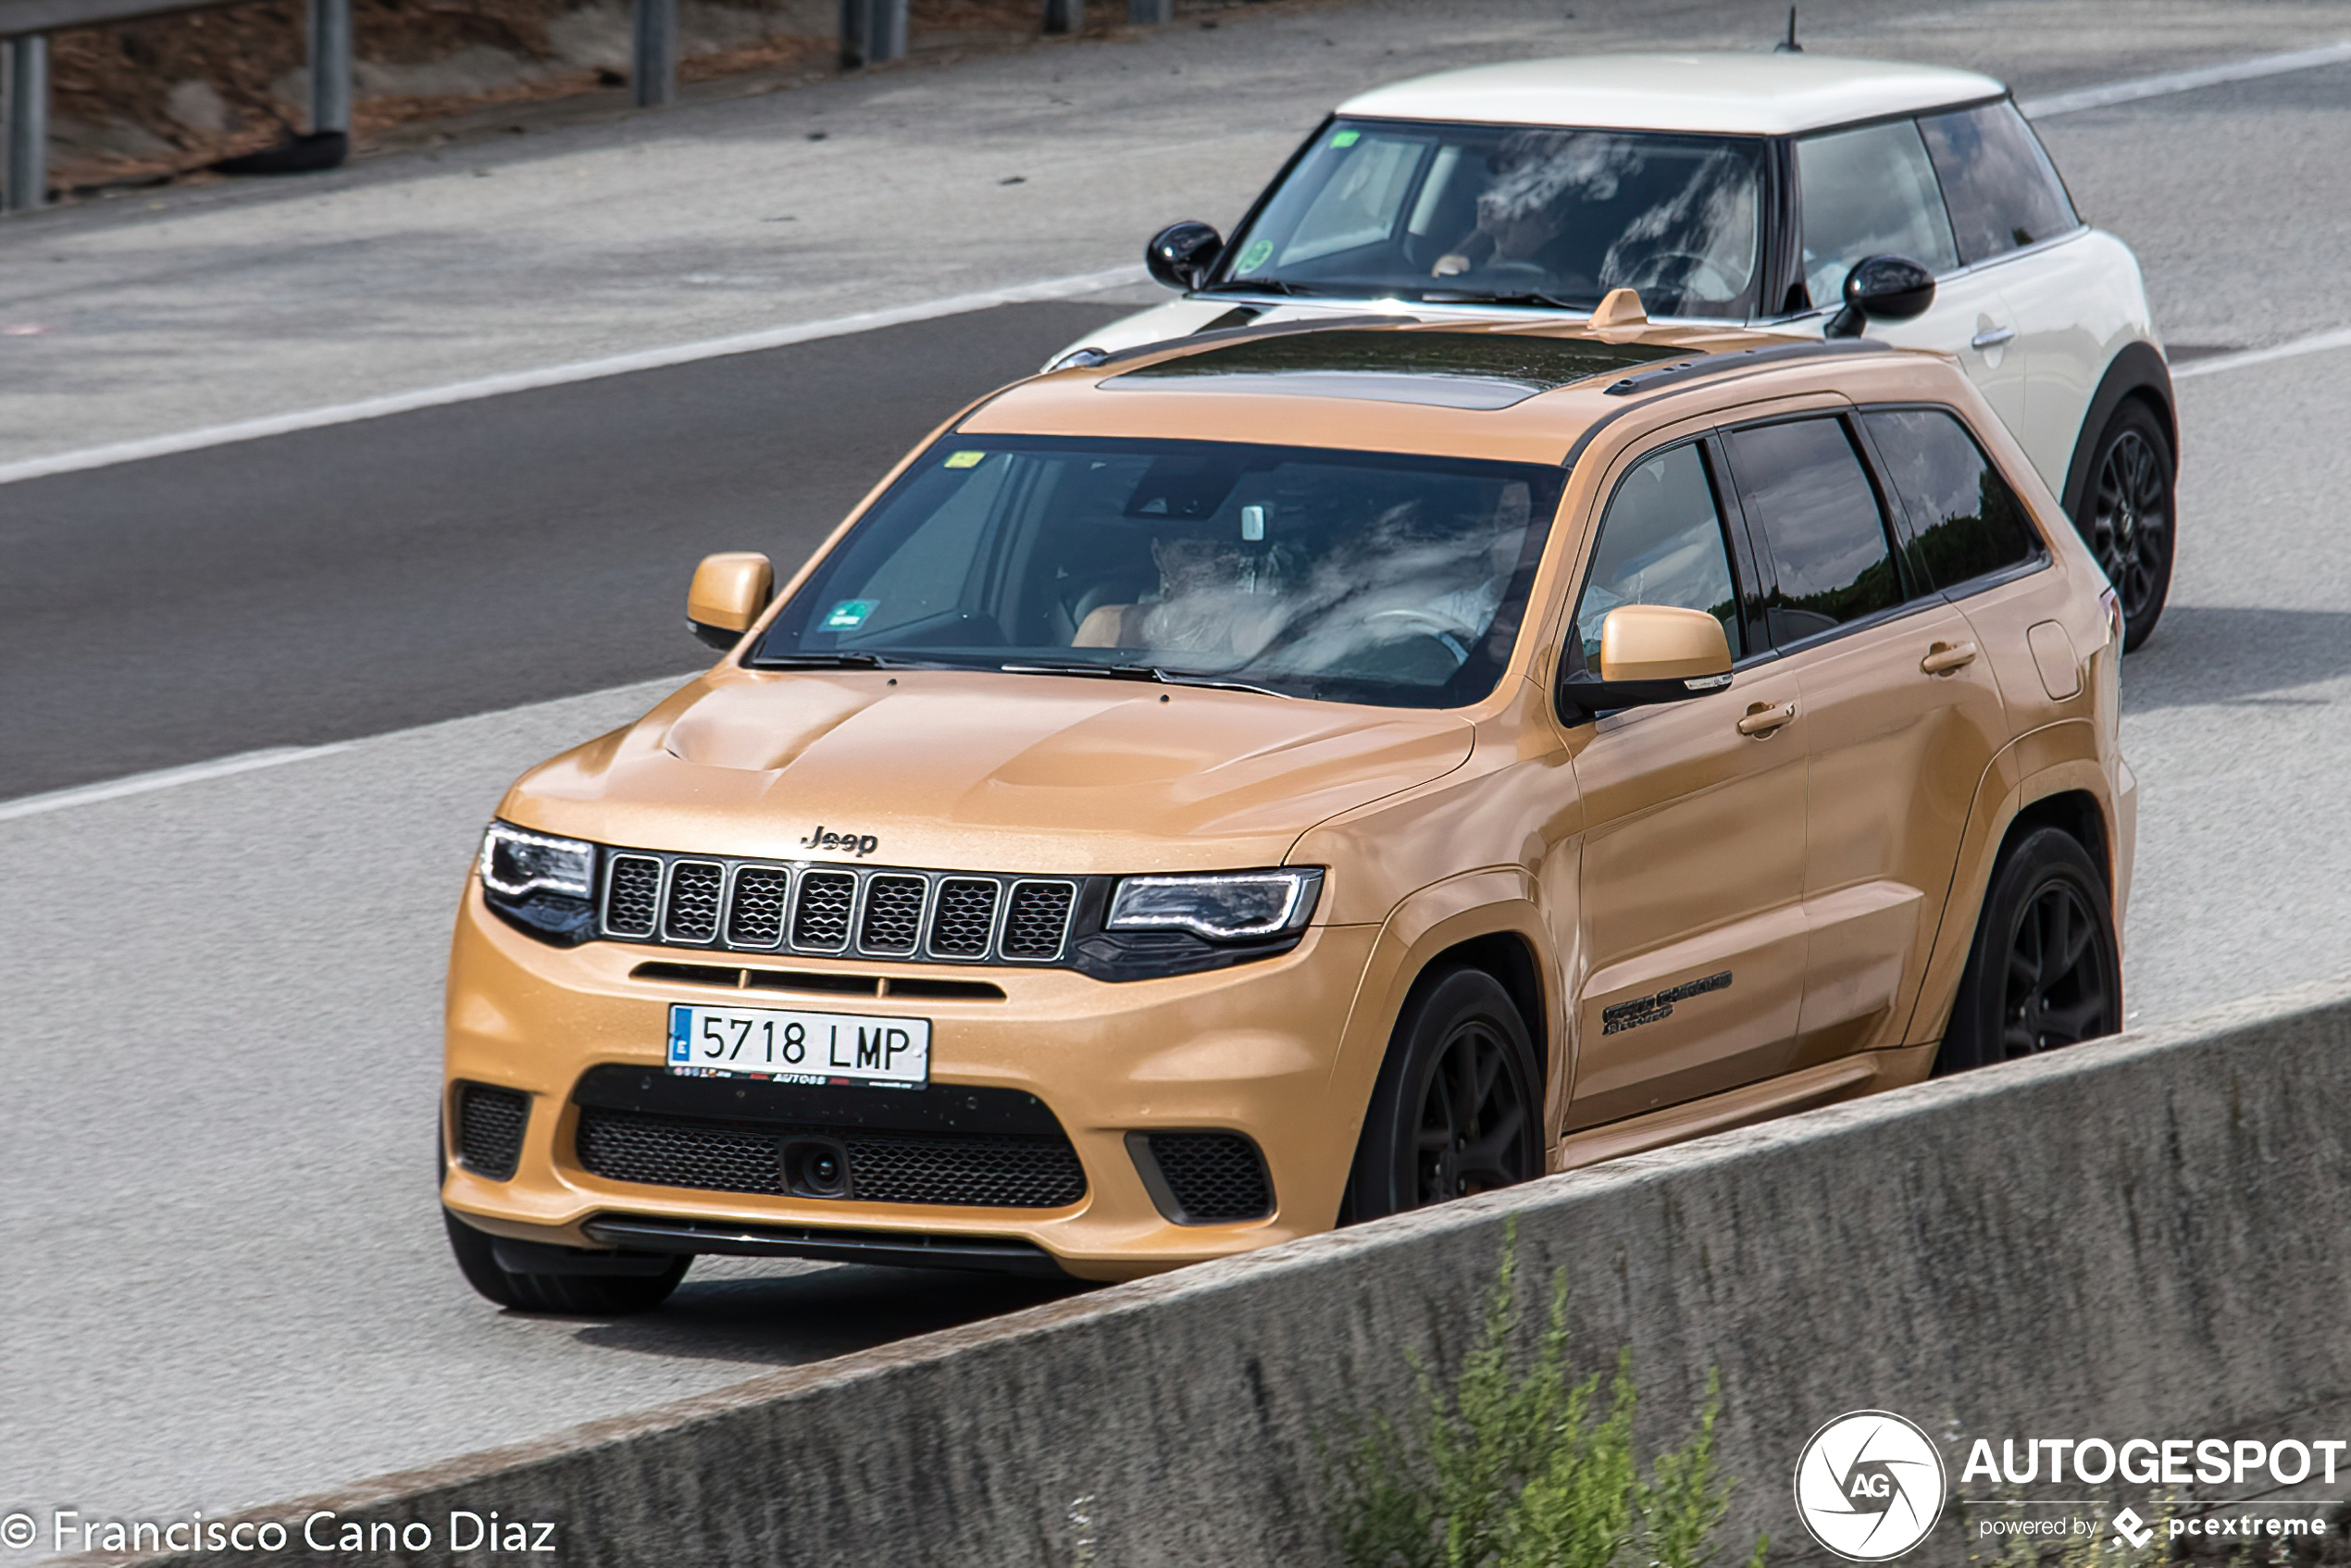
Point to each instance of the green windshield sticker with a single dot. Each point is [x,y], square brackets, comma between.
[965,459]
[1258,252]
[1346,138]
[851,614]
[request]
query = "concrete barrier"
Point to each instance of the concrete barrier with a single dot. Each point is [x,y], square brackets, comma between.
[2141,1237]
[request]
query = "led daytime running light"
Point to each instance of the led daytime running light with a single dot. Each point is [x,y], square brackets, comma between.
[546,864]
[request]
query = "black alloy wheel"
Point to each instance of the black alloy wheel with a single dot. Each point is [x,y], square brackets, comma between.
[1457,1110]
[2126,515]
[2044,970]
[578,1294]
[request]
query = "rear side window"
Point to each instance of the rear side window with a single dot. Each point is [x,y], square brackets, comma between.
[1661,543]
[1999,184]
[1867,192]
[1965,521]
[1820,529]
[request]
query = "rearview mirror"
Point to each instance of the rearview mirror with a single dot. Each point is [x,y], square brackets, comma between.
[1651,653]
[1180,254]
[729,592]
[1891,288]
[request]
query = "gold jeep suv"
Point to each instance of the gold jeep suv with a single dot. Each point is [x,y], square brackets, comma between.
[1289,775]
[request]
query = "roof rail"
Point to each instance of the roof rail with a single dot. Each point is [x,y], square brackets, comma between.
[1723,364]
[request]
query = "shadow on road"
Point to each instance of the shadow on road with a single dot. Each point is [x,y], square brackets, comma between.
[2205,655]
[793,1319]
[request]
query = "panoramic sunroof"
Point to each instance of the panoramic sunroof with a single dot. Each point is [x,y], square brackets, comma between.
[1449,369]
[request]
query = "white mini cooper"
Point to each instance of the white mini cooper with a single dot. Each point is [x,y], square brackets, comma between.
[1788,192]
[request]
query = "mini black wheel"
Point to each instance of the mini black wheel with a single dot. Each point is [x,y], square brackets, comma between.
[2126,515]
[1456,1110]
[583,1295]
[2044,970]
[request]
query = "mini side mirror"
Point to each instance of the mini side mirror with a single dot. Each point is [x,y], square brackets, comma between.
[1651,653]
[729,592]
[1891,288]
[1180,254]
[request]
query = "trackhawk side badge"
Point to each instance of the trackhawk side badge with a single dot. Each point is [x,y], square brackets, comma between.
[1660,1005]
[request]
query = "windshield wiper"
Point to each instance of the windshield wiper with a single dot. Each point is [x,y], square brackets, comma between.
[1142,672]
[1483,296]
[1257,286]
[841,661]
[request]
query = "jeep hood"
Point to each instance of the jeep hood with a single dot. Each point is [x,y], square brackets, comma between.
[983,771]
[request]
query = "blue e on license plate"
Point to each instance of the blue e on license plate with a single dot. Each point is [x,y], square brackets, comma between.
[794,1047]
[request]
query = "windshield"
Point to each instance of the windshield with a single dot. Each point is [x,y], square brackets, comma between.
[1468,212]
[1345,576]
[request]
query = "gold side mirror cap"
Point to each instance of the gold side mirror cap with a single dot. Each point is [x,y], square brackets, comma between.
[1663,643]
[729,592]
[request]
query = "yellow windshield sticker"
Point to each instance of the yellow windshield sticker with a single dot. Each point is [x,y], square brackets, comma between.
[965,459]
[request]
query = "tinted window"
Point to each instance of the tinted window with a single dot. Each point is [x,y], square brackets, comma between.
[1806,490]
[1868,193]
[2001,188]
[1965,518]
[1661,543]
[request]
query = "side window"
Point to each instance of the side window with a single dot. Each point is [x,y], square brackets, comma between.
[1661,543]
[2001,188]
[1807,491]
[1867,192]
[1964,518]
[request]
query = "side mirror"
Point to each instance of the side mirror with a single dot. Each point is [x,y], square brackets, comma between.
[1892,287]
[1651,653]
[1180,254]
[729,592]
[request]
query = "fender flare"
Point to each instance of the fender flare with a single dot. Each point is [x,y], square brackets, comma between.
[2139,370]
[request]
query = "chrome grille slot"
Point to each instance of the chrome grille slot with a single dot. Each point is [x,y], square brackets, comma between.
[755,915]
[632,895]
[696,886]
[1037,919]
[820,914]
[893,919]
[965,916]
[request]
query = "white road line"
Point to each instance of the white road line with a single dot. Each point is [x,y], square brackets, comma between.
[2317,342]
[563,375]
[163,778]
[2171,82]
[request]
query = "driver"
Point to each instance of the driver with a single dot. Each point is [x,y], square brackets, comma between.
[1522,208]
[1216,595]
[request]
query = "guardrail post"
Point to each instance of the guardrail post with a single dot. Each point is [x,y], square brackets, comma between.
[873,33]
[1064,15]
[330,67]
[655,73]
[1150,13]
[28,91]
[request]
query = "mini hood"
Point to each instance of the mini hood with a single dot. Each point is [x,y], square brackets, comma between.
[983,771]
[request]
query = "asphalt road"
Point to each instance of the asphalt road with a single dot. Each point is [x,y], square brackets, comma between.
[224,1284]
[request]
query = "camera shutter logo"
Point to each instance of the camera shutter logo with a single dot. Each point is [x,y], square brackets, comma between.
[1869,1486]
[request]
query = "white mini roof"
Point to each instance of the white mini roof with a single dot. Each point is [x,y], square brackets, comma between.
[1760,95]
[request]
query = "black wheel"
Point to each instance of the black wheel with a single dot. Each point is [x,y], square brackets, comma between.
[1456,1110]
[2046,970]
[2126,515]
[582,1295]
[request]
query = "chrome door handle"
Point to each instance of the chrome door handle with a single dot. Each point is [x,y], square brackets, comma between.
[1944,657]
[1991,338]
[1762,718]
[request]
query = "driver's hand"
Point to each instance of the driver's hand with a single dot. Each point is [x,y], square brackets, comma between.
[1449,266]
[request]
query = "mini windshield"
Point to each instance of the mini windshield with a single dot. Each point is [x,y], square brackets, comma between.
[1517,214]
[1345,576]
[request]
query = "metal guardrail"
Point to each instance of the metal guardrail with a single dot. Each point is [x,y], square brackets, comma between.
[872,32]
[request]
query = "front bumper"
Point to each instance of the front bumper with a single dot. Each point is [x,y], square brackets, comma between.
[1251,1049]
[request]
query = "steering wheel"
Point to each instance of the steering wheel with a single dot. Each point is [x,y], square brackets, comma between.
[1396,627]
[1702,277]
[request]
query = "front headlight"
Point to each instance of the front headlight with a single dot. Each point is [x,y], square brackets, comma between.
[1223,907]
[516,863]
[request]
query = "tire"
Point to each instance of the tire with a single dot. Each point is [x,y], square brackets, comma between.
[2127,516]
[1460,1041]
[2044,970]
[579,1295]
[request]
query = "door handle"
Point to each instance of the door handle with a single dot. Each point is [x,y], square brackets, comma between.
[1991,338]
[1762,718]
[1944,657]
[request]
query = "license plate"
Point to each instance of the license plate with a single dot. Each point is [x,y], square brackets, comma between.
[794,1047]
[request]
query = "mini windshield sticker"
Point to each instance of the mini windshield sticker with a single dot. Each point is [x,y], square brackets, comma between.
[965,459]
[1346,138]
[1256,255]
[850,613]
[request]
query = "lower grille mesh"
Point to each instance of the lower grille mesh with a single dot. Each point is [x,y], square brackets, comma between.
[1215,1176]
[489,1125]
[1003,1171]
